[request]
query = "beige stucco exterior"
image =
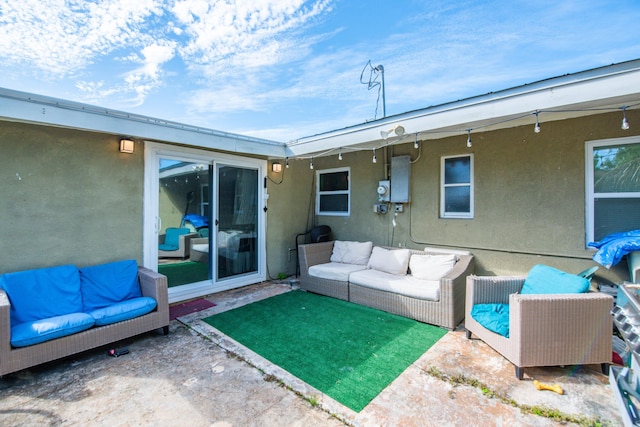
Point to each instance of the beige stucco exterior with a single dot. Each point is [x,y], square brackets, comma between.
[69,196]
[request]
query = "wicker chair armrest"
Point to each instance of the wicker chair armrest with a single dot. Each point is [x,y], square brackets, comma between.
[492,289]
[313,254]
[558,320]
[5,323]
[153,285]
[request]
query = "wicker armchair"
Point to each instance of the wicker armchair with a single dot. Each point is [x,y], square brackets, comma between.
[544,330]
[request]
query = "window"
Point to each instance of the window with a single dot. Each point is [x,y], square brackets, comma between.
[332,195]
[456,195]
[613,187]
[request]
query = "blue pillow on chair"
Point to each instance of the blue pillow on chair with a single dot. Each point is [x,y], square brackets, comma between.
[543,279]
[494,317]
[172,238]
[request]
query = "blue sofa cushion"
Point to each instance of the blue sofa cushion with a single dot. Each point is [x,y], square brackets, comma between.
[124,310]
[41,330]
[543,279]
[106,284]
[42,293]
[494,317]
[172,238]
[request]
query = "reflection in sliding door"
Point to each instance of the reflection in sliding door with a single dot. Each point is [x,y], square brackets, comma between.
[183,212]
[237,220]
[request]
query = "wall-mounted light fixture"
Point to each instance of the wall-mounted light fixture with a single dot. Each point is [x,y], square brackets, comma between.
[276,167]
[127,146]
[397,130]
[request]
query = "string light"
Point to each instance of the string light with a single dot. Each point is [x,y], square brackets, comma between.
[625,123]
[286,162]
[311,164]
[537,129]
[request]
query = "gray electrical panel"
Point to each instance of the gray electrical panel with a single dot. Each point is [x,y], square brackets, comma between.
[400,178]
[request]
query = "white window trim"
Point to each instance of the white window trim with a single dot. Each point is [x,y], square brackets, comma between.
[319,193]
[589,175]
[471,185]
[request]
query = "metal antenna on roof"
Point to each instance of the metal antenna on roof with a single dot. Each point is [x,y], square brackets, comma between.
[374,73]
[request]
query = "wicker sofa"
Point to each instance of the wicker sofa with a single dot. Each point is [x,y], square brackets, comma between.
[15,358]
[446,311]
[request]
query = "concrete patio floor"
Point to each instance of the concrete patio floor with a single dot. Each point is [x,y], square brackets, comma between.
[197,377]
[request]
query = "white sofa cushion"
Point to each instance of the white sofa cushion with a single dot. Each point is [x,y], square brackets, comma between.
[334,270]
[431,267]
[403,285]
[392,261]
[351,252]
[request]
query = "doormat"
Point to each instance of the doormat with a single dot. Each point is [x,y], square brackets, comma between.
[189,307]
[347,351]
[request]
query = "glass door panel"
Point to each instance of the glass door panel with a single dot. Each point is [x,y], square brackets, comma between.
[184,218]
[236,221]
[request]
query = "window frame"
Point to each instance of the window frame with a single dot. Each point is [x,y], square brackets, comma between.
[319,193]
[590,194]
[457,215]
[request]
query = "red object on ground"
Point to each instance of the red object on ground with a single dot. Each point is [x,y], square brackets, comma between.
[189,307]
[615,358]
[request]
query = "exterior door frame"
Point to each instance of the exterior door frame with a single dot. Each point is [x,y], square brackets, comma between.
[152,154]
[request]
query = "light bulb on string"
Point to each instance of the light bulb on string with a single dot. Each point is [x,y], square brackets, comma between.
[415,143]
[311,164]
[375,160]
[286,162]
[625,123]
[340,154]
[469,138]
[536,128]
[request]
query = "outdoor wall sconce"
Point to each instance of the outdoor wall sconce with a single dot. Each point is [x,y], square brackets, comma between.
[126,146]
[276,167]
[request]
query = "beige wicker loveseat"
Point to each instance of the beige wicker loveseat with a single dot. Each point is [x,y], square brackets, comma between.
[544,329]
[446,309]
[14,358]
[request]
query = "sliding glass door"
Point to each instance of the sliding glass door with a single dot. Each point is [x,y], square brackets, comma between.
[204,220]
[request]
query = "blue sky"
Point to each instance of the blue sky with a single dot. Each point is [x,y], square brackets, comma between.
[284,69]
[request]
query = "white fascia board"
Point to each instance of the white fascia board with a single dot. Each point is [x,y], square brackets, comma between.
[23,107]
[568,96]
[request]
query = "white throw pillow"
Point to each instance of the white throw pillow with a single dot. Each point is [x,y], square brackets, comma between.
[351,252]
[392,261]
[431,267]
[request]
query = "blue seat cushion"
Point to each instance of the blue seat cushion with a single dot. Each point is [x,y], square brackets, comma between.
[106,284]
[172,238]
[543,279]
[124,310]
[42,293]
[494,317]
[41,330]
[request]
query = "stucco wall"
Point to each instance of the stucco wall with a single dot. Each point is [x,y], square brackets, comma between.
[71,197]
[529,197]
[67,197]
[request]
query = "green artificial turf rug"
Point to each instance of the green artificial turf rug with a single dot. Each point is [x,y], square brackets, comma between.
[347,351]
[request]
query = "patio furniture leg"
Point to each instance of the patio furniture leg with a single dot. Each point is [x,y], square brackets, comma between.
[605,368]
[468,334]
[519,372]
[165,330]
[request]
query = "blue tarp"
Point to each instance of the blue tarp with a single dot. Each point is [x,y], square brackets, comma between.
[613,247]
[197,220]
